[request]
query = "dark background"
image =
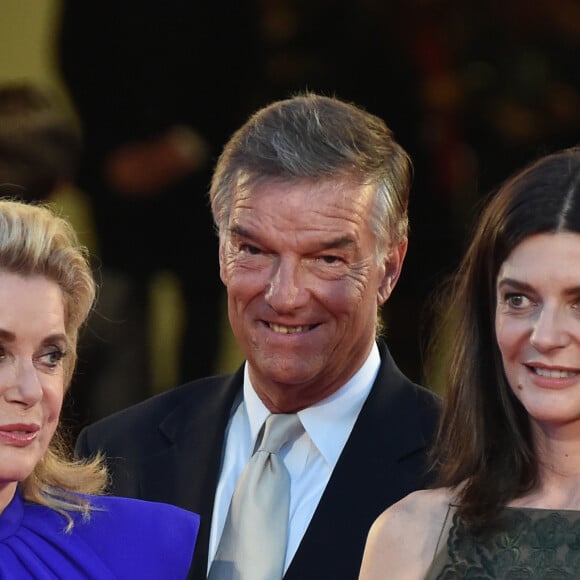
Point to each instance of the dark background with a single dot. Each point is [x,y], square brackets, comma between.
[472,90]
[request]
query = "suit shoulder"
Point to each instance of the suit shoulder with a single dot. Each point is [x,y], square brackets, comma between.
[135,430]
[392,382]
[427,395]
[159,405]
[427,402]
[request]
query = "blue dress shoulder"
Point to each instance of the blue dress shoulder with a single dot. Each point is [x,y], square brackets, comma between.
[124,539]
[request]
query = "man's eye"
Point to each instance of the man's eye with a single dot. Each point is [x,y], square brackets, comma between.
[249,249]
[330,259]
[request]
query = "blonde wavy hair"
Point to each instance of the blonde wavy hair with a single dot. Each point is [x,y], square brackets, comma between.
[36,240]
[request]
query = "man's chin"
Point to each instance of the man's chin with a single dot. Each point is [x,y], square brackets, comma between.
[283,371]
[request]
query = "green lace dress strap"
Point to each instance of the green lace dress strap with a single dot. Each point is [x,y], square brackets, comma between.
[440,553]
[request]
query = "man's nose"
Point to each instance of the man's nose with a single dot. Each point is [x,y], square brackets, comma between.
[286,289]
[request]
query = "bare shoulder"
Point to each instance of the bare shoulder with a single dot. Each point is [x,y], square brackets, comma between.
[402,541]
[416,515]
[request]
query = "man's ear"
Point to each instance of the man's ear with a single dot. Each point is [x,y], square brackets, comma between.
[392,265]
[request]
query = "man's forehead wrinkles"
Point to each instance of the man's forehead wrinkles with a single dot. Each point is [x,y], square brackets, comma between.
[317,238]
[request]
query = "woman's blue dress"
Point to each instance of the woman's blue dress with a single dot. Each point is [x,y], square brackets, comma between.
[124,539]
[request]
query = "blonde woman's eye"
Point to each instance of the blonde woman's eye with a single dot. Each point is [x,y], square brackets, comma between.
[52,357]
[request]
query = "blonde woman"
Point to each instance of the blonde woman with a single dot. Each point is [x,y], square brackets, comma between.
[54,520]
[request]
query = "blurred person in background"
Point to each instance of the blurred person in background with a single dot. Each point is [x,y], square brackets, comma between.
[40,142]
[157,89]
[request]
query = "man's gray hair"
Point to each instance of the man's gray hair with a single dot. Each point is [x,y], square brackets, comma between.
[317,138]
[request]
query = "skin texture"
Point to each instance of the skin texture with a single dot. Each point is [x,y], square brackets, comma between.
[304,283]
[538,326]
[403,539]
[32,340]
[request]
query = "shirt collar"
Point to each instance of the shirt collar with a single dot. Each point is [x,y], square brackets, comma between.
[329,422]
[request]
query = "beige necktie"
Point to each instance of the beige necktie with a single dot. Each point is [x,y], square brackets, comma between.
[253,543]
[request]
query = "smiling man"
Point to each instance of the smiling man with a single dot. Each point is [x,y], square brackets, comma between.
[310,200]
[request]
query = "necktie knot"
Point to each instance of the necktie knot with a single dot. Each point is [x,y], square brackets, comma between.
[278,430]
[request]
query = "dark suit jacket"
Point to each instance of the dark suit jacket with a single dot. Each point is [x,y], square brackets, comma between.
[169,449]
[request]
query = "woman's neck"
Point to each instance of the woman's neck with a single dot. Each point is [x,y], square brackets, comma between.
[558,452]
[7,491]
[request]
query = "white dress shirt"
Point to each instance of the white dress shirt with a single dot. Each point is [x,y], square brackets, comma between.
[310,460]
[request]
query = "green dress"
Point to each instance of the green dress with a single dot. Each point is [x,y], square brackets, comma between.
[526,544]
